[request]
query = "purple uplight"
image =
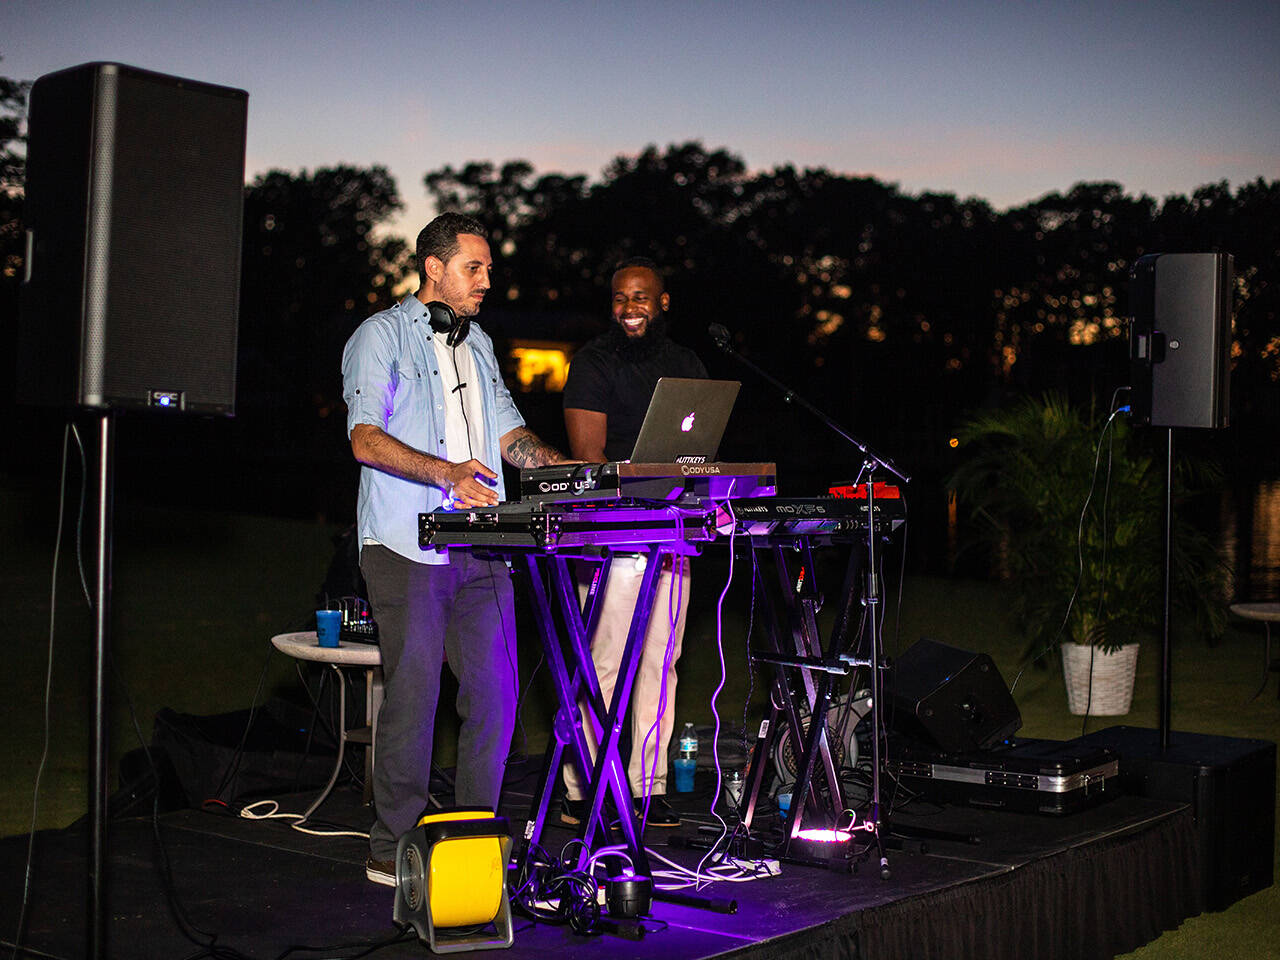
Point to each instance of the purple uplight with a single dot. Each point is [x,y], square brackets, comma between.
[820,843]
[816,835]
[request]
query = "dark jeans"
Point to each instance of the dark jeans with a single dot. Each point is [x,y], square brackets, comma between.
[463,609]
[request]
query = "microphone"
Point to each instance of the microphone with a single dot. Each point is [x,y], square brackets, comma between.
[720,335]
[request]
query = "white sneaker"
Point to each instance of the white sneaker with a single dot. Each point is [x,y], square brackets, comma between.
[381,871]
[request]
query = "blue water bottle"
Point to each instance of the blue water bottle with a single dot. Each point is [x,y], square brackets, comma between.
[687,759]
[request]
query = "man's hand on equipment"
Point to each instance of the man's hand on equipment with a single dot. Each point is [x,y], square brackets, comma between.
[467,485]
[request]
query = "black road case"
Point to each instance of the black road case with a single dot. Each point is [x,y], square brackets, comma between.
[1051,777]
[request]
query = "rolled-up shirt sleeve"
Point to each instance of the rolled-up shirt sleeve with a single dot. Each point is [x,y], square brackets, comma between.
[369,375]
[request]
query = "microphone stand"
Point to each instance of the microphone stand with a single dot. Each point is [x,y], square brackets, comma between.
[871,595]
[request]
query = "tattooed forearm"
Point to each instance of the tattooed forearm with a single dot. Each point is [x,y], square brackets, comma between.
[524,449]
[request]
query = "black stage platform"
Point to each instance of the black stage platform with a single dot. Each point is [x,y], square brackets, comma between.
[1089,885]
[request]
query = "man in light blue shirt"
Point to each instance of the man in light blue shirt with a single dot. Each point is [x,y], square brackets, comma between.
[429,416]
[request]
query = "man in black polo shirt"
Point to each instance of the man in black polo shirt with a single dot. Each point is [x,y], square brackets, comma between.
[605,398]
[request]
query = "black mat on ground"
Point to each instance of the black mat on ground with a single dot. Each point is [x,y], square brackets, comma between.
[1086,886]
[247,753]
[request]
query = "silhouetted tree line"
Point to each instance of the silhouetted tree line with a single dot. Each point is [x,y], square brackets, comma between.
[313,268]
[898,314]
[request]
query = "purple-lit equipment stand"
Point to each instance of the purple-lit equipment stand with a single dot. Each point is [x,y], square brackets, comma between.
[576,683]
[806,674]
[817,668]
[811,659]
[593,511]
[546,535]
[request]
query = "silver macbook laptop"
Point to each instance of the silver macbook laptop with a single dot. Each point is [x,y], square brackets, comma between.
[685,420]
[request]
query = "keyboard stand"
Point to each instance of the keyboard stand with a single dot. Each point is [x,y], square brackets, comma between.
[575,682]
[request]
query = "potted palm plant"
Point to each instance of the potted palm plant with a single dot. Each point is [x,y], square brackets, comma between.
[1073,518]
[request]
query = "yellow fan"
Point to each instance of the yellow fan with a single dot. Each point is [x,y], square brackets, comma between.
[451,878]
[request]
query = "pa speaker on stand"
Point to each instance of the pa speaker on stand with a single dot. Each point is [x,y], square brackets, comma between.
[1180,352]
[130,295]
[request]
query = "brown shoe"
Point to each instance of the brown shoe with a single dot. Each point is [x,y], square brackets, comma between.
[572,811]
[381,871]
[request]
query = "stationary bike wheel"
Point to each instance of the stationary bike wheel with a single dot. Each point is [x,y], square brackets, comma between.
[841,721]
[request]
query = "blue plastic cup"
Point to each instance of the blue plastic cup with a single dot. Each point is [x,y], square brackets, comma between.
[784,805]
[328,627]
[684,768]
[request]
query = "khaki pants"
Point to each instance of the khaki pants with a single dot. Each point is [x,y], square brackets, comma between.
[666,625]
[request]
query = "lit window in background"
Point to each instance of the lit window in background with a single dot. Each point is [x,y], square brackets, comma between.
[540,369]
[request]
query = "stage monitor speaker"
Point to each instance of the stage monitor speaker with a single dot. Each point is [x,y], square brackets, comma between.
[1230,783]
[951,697]
[1180,339]
[134,209]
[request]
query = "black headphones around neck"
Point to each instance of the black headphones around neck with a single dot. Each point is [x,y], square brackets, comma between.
[444,320]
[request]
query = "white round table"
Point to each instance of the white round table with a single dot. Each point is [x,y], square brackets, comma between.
[1267,613]
[363,656]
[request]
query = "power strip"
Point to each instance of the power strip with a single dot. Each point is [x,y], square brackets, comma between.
[770,867]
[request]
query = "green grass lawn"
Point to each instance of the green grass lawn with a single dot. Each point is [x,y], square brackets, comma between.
[196,597]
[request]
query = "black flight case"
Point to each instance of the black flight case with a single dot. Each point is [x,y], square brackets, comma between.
[1051,777]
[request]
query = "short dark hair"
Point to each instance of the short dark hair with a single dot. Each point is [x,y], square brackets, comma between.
[439,238]
[643,263]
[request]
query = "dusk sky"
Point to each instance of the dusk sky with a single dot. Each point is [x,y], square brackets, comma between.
[1004,101]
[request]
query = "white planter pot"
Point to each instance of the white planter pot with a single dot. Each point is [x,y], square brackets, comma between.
[1111,679]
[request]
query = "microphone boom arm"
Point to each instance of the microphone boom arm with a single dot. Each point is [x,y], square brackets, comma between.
[720,335]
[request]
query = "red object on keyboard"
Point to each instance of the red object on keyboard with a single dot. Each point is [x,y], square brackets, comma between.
[882,491]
